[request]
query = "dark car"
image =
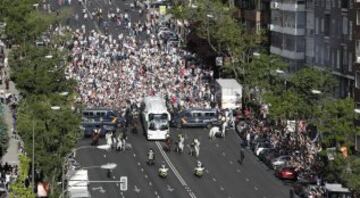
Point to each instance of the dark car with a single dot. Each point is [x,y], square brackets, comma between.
[265,152]
[307,177]
[196,118]
[286,173]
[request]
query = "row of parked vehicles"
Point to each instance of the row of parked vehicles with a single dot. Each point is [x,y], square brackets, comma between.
[305,182]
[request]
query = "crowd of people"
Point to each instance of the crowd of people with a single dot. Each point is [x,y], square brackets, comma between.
[284,138]
[117,71]
[8,173]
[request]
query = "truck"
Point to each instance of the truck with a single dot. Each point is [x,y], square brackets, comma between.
[228,93]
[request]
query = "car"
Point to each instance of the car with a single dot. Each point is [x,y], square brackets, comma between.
[286,173]
[265,152]
[280,161]
[261,146]
[270,156]
[307,177]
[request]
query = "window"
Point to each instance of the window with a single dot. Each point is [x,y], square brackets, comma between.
[338,59]
[345,25]
[345,56]
[327,48]
[327,25]
[350,62]
[317,25]
[322,25]
[357,79]
[345,4]
[357,17]
[350,30]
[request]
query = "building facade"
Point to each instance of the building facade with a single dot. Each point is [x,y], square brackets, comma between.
[287,31]
[317,33]
[356,36]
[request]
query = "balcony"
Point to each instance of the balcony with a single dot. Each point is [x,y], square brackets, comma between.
[287,6]
[287,54]
[287,30]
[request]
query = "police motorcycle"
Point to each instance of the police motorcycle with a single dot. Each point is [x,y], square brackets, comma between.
[163,171]
[199,169]
[151,157]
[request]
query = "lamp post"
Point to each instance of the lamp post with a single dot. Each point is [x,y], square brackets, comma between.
[73,152]
[107,166]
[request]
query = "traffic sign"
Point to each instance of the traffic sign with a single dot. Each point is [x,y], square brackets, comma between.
[123,183]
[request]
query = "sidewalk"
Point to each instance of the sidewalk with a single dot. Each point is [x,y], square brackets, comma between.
[11,155]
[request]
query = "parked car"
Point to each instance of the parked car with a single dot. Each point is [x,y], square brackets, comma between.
[280,161]
[196,118]
[267,159]
[286,173]
[261,146]
[307,177]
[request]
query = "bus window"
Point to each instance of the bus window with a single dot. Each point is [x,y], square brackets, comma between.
[157,116]
[210,114]
[196,115]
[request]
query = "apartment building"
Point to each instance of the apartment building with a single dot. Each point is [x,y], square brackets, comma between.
[317,33]
[356,38]
[254,14]
[287,31]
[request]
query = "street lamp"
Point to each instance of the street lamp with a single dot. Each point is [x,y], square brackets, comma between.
[107,166]
[73,152]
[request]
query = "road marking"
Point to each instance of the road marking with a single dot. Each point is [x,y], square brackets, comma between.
[155,192]
[214,179]
[217,145]
[169,188]
[222,188]
[176,173]
[146,176]
[104,155]
[206,171]
[113,177]
[247,179]
[139,164]
[223,154]
[255,188]
[142,170]
[150,184]
[136,189]
[231,162]
[134,155]
[238,170]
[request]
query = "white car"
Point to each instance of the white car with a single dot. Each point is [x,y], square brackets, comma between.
[261,149]
[280,161]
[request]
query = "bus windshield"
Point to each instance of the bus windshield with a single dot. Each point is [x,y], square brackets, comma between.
[158,121]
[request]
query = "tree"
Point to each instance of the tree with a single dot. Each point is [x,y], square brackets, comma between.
[337,121]
[18,189]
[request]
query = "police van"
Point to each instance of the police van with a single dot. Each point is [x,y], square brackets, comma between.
[196,118]
[103,118]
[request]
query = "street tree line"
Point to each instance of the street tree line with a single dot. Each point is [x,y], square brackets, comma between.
[306,94]
[39,75]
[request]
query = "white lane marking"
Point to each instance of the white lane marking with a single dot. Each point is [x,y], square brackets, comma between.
[255,188]
[146,176]
[238,170]
[176,173]
[136,189]
[104,155]
[134,155]
[222,188]
[150,184]
[231,162]
[142,170]
[214,179]
[155,192]
[223,154]
[247,179]
[139,164]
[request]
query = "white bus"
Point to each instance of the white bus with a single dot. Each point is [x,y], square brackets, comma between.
[156,118]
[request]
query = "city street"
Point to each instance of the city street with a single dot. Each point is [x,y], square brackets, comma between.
[224,176]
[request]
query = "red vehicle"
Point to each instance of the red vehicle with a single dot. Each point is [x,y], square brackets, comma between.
[286,173]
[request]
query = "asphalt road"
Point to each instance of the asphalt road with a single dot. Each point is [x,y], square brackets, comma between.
[224,177]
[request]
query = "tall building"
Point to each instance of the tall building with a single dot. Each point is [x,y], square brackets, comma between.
[254,14]
[287,31]
[317,33]
[356,36]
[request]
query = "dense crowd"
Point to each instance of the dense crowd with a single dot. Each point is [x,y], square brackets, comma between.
[8,173]
[118,71]
[284,138]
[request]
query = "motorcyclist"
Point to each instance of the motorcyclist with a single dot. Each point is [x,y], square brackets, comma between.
[163,171]
[199,169]
[151,157]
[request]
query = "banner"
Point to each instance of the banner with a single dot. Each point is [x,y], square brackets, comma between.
[162,9]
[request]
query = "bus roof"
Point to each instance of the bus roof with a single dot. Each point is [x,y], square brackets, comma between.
[155,104]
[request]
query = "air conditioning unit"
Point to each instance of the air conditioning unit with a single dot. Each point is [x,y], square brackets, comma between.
[358,59]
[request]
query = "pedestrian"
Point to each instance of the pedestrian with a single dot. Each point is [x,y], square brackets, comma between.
[7,83]
[242,156]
